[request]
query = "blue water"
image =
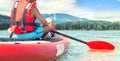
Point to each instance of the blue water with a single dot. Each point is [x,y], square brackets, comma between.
[79,51]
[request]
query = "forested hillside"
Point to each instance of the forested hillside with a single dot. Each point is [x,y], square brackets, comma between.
[88,25]
[4,22]
[83,24]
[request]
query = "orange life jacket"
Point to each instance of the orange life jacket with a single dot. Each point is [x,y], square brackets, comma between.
[21,20]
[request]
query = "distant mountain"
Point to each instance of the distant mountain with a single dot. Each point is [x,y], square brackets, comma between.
[58,17]
[4,22]
[4,18]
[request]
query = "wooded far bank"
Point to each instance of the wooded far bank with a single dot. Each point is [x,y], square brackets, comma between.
[79,25]
[88,25]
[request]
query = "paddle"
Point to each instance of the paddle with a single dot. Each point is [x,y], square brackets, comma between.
[97,44]
[11,34]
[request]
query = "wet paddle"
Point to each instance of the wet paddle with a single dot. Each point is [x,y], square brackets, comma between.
[97,44]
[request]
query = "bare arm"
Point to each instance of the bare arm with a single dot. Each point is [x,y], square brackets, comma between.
[37,14]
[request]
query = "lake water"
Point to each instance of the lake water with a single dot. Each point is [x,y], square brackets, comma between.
[80,52]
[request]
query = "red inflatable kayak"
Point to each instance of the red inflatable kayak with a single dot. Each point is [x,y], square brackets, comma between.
[37,50]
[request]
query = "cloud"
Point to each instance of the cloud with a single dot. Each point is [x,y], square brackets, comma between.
[5,6]
[68,6]
[49,6]
[106,15]
[65,6]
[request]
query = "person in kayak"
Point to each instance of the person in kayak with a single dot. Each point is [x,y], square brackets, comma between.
[22,21]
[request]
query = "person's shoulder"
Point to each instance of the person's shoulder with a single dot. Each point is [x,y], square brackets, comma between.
[34,8]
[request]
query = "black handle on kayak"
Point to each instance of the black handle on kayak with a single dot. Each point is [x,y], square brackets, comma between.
[69,36]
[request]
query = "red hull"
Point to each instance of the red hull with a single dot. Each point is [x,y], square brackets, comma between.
[33,50]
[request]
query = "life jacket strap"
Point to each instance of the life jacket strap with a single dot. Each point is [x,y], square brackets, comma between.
[23,21]
[19,23]
[15,9]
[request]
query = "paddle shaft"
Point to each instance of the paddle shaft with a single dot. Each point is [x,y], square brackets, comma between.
[69,37]
[11,35]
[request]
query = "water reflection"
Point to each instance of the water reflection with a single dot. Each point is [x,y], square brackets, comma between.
[100,55]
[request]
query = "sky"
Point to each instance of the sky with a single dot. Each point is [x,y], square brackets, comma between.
[92,9]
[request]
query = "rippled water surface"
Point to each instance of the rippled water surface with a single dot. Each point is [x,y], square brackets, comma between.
[80,52]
